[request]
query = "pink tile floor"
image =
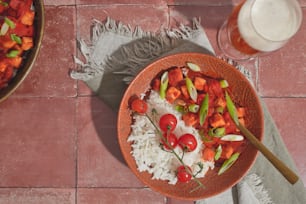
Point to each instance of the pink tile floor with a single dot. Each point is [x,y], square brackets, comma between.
[57,140]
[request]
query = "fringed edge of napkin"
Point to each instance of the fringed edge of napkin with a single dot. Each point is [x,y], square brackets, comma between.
[89,69]
[256,184]
[133,58]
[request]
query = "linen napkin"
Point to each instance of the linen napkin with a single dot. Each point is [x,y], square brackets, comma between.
[117,53]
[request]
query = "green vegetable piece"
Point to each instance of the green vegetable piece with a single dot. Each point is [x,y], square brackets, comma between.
[16,38]
[218,152]
[9,22]
[191,89]
[231,108]
[12,53]
[228,163]
[179,108]
[216,132]
[163,85]
[193,67]
[193,108]
[4,28]
[232,138]
[223,83]
[220,109]
[3,3]
[205,139]
[204,109]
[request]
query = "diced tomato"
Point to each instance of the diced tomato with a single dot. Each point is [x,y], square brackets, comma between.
[156,84]
[200,98]
[199,83]
[15,61]
[211,111]
[3,65]
[209,143]
[220,102]
[185,92]
[24,30]
[6,75]
[230,126]
[237,145]
[205,126]
[175,76]
[211,101]
[205,88]
[27,43]
[15,4]
[227,151]
[208,154]
[190,119]
[28,18]
[217,120]
[214,88]
[6,43]
[240,112]
[241,121]
[2,8]
[21,6]
[172,94]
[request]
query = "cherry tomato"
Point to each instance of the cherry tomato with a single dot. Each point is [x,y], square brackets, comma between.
[139,106]
[167,122]
[188,142]
[183,174]
[169,140]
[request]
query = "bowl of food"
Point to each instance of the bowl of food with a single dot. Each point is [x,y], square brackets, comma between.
[176,128]
[21,33]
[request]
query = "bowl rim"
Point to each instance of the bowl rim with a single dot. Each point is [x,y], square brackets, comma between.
[138,174]
[31,59]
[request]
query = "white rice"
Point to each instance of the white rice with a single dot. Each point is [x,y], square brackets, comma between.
[148,154]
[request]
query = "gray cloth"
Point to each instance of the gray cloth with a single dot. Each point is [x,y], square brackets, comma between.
[117,53]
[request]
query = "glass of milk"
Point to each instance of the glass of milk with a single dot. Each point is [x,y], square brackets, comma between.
[257,27]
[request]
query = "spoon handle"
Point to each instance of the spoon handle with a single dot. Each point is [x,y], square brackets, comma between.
[278,164]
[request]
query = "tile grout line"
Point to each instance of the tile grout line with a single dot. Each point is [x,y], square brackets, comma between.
[76,111]
[76,150]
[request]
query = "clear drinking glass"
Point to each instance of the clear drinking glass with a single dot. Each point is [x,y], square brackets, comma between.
[257,27]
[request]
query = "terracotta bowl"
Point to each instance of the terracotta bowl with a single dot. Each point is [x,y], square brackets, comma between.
[31,56]
[244,94]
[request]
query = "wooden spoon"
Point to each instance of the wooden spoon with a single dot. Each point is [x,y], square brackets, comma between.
[278,164]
